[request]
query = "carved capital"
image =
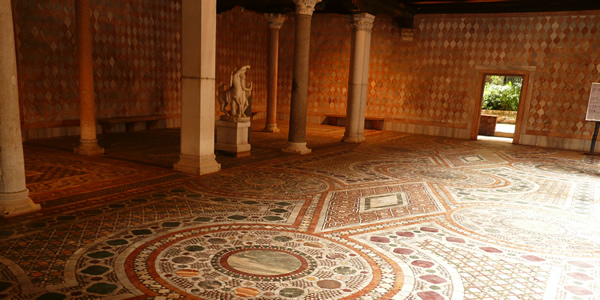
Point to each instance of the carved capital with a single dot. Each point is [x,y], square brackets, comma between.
[275,20]
[363,21]
[305,7]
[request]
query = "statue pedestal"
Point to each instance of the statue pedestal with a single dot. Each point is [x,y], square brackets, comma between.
[232,137]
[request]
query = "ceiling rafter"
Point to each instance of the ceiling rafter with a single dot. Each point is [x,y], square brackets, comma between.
[405,10]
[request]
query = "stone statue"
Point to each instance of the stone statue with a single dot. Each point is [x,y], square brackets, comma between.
[236,96]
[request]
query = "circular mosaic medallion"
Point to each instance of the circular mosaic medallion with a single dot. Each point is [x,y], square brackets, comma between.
[400,150]
[265,182]
[552,231]
[527,152]
[554,168]
[454,177]
[250,263]
[559,168]
[451,175]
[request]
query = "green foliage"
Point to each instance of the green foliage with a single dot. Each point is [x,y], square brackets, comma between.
[500,96]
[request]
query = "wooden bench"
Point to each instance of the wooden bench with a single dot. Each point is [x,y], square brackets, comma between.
[340,120]
[151,122]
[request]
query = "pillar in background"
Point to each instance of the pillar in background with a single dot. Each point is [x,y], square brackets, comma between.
[275,22]
[88,144]
[14,196]
[297,134]
[199,42]
[358,82]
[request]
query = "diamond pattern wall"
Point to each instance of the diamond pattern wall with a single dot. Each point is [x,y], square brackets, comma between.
[47,61]
[431,80]
[439,68]
[136,51]
[243,39]
[426,81]
[329,64]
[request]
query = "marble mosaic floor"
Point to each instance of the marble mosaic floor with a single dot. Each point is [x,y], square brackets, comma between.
[397,217]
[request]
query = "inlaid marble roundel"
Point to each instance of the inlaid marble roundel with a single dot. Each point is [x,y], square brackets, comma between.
[530,227]
[562,168]
[253,263]
[453,177]
[263,262]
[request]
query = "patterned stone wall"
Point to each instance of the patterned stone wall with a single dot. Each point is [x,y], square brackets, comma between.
[47,61]
[243,39]
[424,81]
[330,45]
[432,80]
[137,53]
[137,60]
[439,69]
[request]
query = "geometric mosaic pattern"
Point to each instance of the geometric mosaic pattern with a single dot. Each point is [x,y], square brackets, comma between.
[396,217]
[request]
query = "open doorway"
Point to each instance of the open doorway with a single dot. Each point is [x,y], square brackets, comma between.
[500,105]
[498,113]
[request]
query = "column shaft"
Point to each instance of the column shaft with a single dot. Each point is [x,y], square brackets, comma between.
[297,132]
[198,87]
[358,79]
[14,196]
[88,143]
[275,22]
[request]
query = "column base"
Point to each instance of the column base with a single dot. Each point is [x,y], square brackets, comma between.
[296,148]
[354,139]
[271,128]
[197,165]
[14,204]
[88,148]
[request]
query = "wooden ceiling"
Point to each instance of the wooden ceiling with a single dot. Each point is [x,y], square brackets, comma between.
[405,10]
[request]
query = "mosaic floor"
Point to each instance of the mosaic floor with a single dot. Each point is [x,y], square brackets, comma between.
[397,217]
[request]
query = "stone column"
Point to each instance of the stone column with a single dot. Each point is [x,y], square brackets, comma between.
[14,196]
[358,82]
[297,134]
[275,22]
[88,144]
[199,40]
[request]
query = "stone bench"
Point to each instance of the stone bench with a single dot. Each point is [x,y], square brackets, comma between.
[151,122]
[340,120]
[254,112]
[487,125]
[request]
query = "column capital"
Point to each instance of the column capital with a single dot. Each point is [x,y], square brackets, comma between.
[363,21]
[275,20]
[305,7]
